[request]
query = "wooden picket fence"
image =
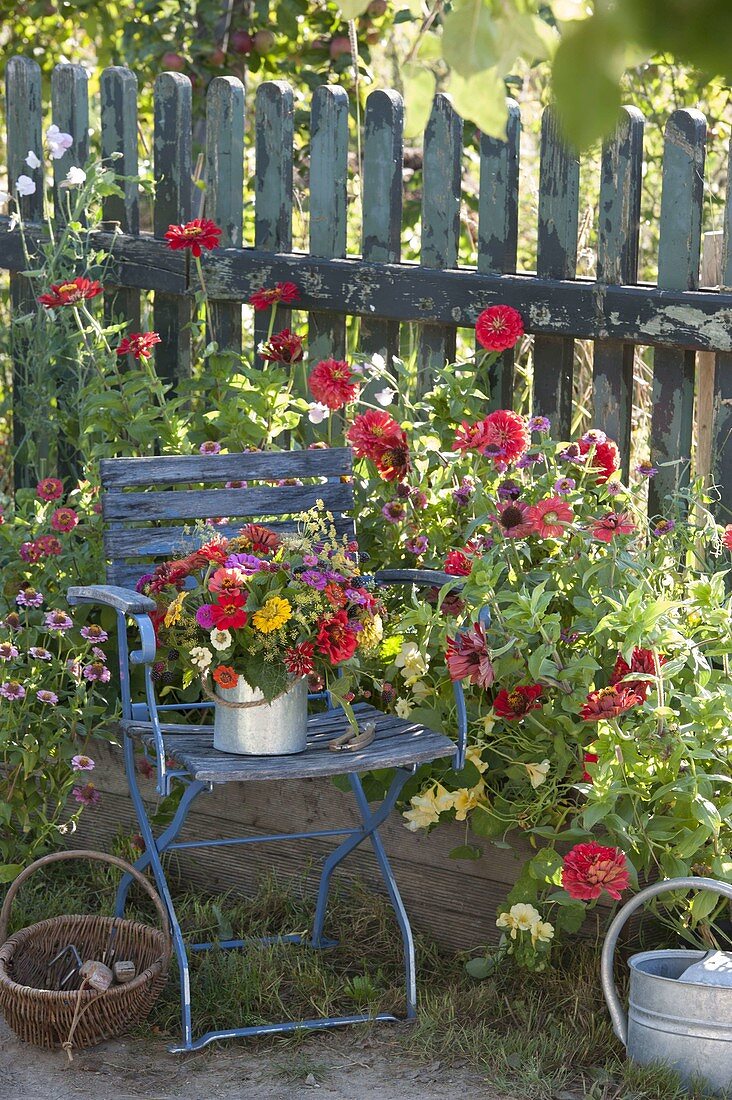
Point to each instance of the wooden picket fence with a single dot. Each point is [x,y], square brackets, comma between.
[613,310]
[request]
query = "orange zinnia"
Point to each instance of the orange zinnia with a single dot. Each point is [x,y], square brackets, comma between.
[225,676]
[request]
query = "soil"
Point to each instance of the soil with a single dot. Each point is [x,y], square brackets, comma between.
[334,1067]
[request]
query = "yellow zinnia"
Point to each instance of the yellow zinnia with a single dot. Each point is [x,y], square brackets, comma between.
[175,610]
[272,615]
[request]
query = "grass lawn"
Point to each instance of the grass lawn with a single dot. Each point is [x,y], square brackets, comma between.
[537,1036]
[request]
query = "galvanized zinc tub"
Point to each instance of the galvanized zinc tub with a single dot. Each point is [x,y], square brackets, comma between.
[244,723]
[685,1026]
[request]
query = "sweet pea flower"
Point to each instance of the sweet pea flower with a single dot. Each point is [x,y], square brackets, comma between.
[58,142]
[32,160]
[75,177]
[317,412]
[25,186]
[385,397]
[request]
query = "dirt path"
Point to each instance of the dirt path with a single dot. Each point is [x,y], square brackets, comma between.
[336,1067]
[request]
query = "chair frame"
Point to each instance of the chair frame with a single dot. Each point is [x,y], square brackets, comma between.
[134,607]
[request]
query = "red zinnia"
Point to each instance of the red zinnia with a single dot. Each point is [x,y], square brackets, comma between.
[68,294]
[642,660]
[468,658]
[229,613]
[470,437]
[279,294]
[458,564]
[330,383]
[48,545]
[283,347]
[195,235]
[258,539]
[550,517]
[335,595]
[215,552]
[506,431]
[591,868]
[608,702]
[335,640]
[612,524]
[225,676]
[372,432]
[299,659]
[727,536]
[138,344]
[50,488]
[64,519]
[605,460]
[518,702]
[393,462]
[499,328]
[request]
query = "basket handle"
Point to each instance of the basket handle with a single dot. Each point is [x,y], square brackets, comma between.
[615,1007]
[100,857]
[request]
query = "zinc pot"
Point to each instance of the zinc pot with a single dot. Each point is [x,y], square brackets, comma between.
[245,723]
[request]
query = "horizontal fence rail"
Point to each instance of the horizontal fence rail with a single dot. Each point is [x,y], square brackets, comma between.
[614,311]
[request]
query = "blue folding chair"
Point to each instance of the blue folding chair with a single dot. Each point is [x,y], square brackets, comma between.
[146,505]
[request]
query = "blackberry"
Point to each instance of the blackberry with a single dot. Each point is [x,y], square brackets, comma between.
[167,678]
[173,654]
[157,671]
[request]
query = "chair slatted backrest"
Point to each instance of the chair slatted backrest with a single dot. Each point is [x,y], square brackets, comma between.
[152,506]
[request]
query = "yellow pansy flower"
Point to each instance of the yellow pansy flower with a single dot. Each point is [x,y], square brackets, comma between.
[272,615]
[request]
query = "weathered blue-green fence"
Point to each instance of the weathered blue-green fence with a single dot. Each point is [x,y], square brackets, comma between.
[613,310]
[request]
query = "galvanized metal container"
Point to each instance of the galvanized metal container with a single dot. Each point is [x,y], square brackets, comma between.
[684,1025]
[264,729]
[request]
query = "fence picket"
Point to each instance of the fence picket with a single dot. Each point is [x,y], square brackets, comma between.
[225,189]
[679,251]
[383,158]
[617,263]
[498,232]
[70,109]
[328,184]
[118,92]
[172,166]
[23,113]
[722,426]
[440,224]
[556,259]
[274,136]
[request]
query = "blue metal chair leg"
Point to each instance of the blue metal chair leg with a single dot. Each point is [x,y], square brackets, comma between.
[396,900]
[162,885]
[167,837]
[371,822]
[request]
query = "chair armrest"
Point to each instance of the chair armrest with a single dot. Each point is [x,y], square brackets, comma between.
[421,577]
[124,600]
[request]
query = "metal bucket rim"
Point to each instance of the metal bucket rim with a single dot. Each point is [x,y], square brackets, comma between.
[635,961]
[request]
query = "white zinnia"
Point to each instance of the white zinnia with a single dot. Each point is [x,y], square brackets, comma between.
[201,657]
[24,185]
[220,639]
[318,412]
[32,160]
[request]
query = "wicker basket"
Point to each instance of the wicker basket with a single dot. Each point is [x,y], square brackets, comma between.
[79,1017]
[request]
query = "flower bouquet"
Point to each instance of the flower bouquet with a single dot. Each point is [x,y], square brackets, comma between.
[259,619]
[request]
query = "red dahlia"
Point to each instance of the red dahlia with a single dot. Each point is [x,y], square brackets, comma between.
[330,383]
[605,460]
[138,344]
[283,347]
[499,328]
[68,294]
[279,294]
[299,659]
[591,868]
[335,640]
[518,702]
[194,235]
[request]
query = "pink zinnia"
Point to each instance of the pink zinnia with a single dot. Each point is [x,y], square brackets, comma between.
[87,795]
[550,517]
[591,868]
[468,659]
[49,488]
[210,447]
[96,670]
[50,698]
[514,520]
[64,519]
[82,763]
[612,524]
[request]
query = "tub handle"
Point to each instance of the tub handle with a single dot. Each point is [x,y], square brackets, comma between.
[615,1007]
